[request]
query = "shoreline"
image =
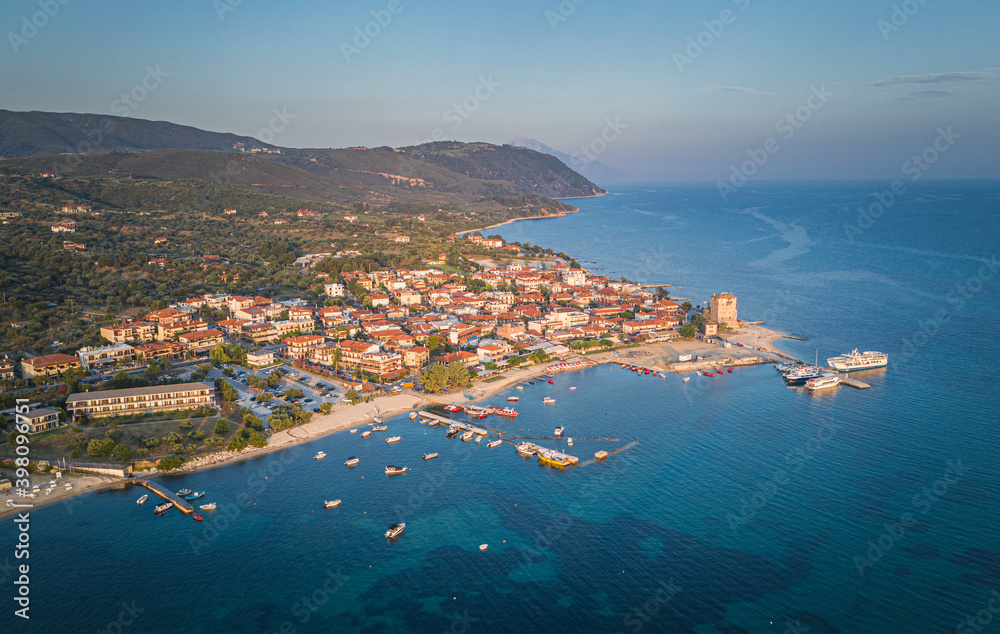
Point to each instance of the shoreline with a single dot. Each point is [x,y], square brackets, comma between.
[562,214]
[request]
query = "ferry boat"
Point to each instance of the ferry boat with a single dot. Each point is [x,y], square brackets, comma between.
[823,382]
[395,530]
[366,433]
[194,496]
[350,462]
[320,455]
[799,376]
[197,517]
[431,456]
[559,431]
[855,360]
[182,492]
[467,436]
[453,408]
[207,507]
[494,443]
[331,504]
[163,508]
[526,450]
[392,439]
[391,470]
[513,399]
[509,412]
[143,499]
[548,399]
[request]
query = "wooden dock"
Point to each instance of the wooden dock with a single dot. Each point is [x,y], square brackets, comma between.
[480,430]
[181,505]
[854,383]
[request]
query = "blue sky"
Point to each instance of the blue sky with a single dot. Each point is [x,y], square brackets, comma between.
[555,71]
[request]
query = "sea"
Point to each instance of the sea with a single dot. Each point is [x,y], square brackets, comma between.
[736,504]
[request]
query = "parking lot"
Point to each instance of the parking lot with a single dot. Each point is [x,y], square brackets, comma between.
[315,390]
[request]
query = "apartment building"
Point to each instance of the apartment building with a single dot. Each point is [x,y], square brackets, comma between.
[48,365]
[140,400]
[105,355]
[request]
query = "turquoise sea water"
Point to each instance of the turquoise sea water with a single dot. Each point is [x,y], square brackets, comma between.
[745,506]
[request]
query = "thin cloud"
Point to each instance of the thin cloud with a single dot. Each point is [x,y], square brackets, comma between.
[937,78]
[920,94]
[752,91]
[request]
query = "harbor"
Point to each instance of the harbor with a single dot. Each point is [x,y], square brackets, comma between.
[157,489]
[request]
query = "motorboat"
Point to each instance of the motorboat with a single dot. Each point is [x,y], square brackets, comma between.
[572,388]
[182,492]
[431,456]
[197,517]
[354,431]
[559,431]
[366,433]
[395,530]
[729,370]
[494,443]
[331,504]
[569,442]
[513,399]
[526,450]
[507,412]
[467,436]
[381,428]
[548,399]
[207,507]
[141,500]
[413,416]
[194,496]
[392,439]
[519,387]
[551,382]
[391,470]
[454,409]
[320,455]
[686,379]
[163,508]
[452,432]
[483,546]
[824,382]
[350,462]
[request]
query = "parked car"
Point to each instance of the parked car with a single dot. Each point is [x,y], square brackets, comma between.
[317,410]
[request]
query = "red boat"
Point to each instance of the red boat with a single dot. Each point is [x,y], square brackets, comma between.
[635,369]
[508,412]
[512,399]
[551,382]
[453,408]
[646,371]
[197,517]
[710,374]
[729,370]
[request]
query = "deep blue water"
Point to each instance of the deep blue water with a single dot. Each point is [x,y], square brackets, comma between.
[745,505]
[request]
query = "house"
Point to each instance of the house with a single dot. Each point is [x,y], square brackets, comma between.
[401,239]
[6,369]
[710,328]
[48,365]
[468,358]
[409,298]
[40,419]
[105,355]
[299,347]
[134,331]
[64,227]
[250,315]
[170,350]
[261,333]
[324,353]
[379,299]
[494,352]
[368,357]
[259,359]
[140,400]
[416,356]
[334,290]
[176,328]
[203,340]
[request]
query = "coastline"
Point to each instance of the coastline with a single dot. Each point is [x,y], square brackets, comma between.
[561,214]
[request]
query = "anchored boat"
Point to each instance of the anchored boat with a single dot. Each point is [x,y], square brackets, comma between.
[395,530]
[330,504]
[391,470]
[393,439]
[494,443]
[320,455]
[430,456]
[207,507]
[143,499]
[350,462]
[163,508]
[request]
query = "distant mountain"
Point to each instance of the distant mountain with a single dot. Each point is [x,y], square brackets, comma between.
[41,133]
[594,170]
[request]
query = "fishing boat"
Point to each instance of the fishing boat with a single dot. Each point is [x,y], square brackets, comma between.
[526,450]
[354,431]
[391,470]
[181,492]
[163,508]
[824,382]
[452,432]
[197,517]
[413,416]
[548,399]
[143,499]
[519,387]
[320,455]
[483,546]
[366,433]
[709,373]
[194,496]
[430,456]
[494,443]
[554,459]
[686,379]
[513,399]
[729,370]
[559,431]
[395,531]
[453,408]
[350,462]
[331,504]
[207,507]
[508,412]
[467,436]
[392,439]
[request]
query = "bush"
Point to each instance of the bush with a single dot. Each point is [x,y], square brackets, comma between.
[257,440]
[121,452]
[196,435]
[94,448]
[186,425]
[170,463]
[142,452]
[236,445]
[74,454]
[221,427]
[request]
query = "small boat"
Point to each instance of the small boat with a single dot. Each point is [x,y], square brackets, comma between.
[479,439]
[197,517]
[569,442]
[551,382]
[391,470]
[698,372]
[559,431]
[453,408]
[378,420]
[467,436]
[392,439]
[513,399]
[194,496]
[366,433]
[430,456]
[525,450]
[452,432]
[710,374]
[507,412]
[141,500]
[729,370]
[494,443]
[531,382]
[519,387]
[181,492]
[686,379]
[320,455]
[624,366]
[163,508]
[354,431]
[823,382]
[395,531]
[331,504]
[483,546]
[381,428]
[207,507]
[413,416]
[350,462]
[572,388]
[554,459]
[548,399]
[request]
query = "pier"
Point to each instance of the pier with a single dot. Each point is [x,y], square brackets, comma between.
[861,385]
[482,431]
[179,504]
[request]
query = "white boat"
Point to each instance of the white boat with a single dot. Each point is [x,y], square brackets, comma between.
[207,507]
[467,435]
[823,382]
[391,470]
[494,443]
[686,379]
[366,433]
[559,431]
[354,431]
[548,399]
[525,449]
[395,530]
[430,456]
[698,373]
[519,387]
[392,439]
[320,455]
[483,546]
[381,428]
[141,500]
[572,388]
[479,439]
[330,504]
[350,462]
[569,442]
[854,360]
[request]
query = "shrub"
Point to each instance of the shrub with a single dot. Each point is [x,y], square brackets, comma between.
[170,463]
[121,452]
[221,427]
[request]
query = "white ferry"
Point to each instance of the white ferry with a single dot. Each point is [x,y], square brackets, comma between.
[823,382]
[855,360]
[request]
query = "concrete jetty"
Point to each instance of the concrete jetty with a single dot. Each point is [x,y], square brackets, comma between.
[181,505]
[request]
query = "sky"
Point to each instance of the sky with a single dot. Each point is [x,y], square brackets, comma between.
[664,91]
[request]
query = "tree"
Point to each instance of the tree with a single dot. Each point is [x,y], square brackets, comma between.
[325,408]
[686,306]
[221,427]
[263,397]
[458,374]
[170,463]
[94,448]
[689,331]
[352,395]
[515,360]
[121,452]
[436,377]
[433,343]
[294,392]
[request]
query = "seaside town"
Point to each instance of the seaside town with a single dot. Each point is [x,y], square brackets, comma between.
[268,367]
